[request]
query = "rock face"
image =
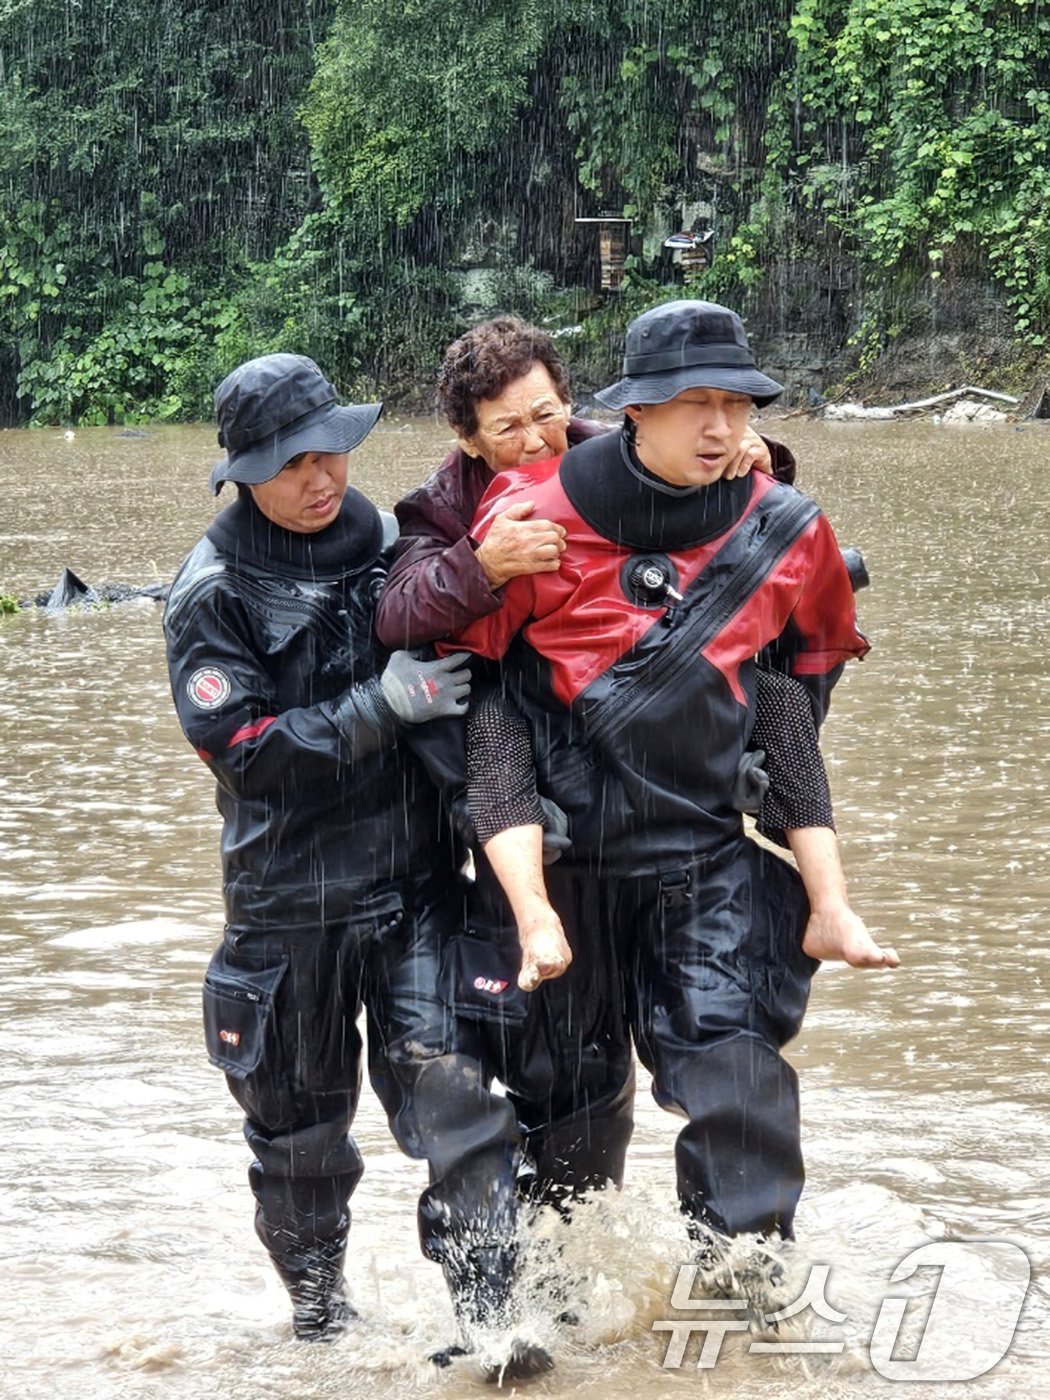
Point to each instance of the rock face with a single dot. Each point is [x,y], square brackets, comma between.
[808,324]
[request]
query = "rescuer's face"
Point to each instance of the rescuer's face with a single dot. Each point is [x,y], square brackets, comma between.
[306,493]
[691,439]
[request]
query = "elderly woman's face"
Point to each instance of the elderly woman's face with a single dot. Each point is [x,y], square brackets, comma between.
[527,423]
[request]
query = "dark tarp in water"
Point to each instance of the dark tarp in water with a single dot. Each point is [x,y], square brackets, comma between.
[70,590]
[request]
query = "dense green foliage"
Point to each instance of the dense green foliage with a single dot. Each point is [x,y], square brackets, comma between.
[922,130]
[150,158]
[185,185]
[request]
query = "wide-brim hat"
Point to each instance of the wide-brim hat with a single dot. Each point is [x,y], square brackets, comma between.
[687,345]
[274,407]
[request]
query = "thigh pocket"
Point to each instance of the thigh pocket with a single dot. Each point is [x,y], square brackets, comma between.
[239,1013]
[479,979]
[789,970]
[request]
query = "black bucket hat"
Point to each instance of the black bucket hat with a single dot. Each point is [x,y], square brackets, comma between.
[275,407]
[687,345]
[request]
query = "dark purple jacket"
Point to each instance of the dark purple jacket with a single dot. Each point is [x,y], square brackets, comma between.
[436,585]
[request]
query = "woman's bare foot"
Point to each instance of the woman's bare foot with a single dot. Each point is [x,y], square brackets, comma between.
[838,935]
[545,951]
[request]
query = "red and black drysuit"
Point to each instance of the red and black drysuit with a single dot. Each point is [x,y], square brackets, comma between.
[339,888]
[640,714]
[436,585]
[577,1124]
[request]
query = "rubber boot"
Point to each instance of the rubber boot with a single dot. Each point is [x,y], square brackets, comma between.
[481,1282]
[751,1273]
[321,1311]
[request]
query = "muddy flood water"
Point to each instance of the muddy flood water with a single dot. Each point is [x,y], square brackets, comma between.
[128,1263]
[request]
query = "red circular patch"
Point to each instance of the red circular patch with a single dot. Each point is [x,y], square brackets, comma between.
[208,688]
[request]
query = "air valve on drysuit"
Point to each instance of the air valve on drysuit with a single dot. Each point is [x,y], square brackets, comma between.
[650,581]
[856,568]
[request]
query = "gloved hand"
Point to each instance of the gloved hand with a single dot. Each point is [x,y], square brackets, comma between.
[751,783]
[555,831]
[420,690]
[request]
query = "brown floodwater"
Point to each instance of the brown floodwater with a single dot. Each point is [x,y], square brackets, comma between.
[129,1263]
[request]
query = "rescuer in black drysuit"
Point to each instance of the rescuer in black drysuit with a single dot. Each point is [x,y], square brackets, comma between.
[338,865]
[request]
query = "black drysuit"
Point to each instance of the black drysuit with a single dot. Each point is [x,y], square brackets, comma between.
[337,876]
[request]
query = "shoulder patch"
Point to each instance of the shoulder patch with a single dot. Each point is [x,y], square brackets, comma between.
[208,688]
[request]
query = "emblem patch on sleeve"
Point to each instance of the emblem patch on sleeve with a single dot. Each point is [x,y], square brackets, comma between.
[208,688]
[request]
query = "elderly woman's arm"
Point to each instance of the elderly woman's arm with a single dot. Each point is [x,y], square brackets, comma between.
[436,585]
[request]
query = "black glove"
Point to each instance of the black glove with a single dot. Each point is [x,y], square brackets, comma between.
[555,831]
[420,690]
[751,783]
